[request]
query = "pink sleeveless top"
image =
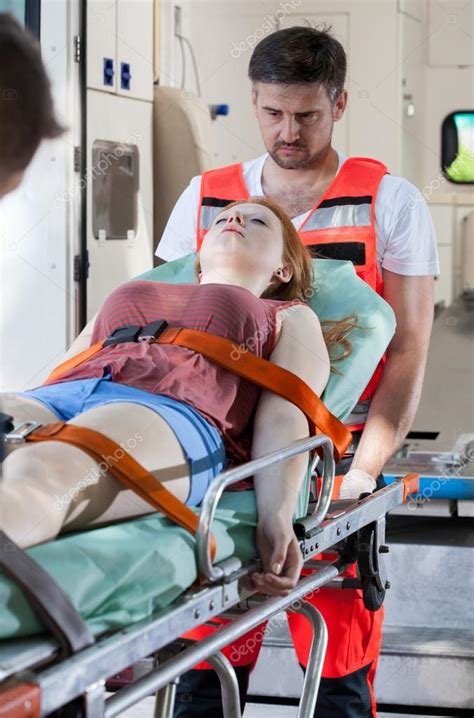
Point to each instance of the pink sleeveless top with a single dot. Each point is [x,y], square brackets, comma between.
[224,399]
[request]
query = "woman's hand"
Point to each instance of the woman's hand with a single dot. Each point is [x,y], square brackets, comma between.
[280,553]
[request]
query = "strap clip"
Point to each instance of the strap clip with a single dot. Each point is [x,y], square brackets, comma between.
[153,330]
[128,333]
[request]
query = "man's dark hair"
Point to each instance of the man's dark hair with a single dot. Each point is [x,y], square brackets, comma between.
[299,55]
[26,107]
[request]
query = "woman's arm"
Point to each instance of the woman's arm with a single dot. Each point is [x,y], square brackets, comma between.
[278,423]
[83,341]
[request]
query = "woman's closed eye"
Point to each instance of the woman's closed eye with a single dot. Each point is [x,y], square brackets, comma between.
[257,219]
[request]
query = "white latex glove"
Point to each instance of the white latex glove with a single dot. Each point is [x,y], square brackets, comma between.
[355,483]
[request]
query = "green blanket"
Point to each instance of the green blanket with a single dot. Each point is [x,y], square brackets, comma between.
[120,574]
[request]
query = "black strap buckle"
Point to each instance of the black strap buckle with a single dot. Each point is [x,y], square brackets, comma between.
[132,333]
[128,333]
[153,330]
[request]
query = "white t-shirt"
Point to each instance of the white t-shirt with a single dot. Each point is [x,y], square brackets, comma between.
[406,241]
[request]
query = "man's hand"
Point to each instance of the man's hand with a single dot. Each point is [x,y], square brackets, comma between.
[355,483]
[280,553]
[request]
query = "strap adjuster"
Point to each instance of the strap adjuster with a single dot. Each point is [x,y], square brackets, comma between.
[18,436]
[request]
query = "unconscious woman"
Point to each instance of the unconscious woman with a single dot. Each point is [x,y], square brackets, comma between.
[181,416]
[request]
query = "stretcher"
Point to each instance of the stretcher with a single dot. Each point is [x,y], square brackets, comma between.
[116,608]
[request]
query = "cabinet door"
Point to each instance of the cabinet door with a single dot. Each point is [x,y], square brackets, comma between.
[443,288]
[443,220]
[101,45]
[135,49]
[450,31]
[413,88]
[114,260]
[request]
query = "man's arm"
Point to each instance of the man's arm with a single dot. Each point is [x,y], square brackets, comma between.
[397,396]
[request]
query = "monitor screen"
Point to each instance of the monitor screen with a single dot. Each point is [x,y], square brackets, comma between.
[457,147]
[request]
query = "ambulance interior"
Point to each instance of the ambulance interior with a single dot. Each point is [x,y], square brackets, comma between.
[155,92]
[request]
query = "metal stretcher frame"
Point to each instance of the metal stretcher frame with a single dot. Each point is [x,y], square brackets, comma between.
[83,674]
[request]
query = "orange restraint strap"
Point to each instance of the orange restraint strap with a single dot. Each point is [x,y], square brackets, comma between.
[226,354]
[124,468]
[244,363]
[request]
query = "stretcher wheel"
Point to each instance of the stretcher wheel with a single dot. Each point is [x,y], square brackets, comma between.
[366,551]
[373,596]
[367,563]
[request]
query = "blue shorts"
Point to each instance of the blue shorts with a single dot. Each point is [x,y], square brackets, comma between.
[199,440]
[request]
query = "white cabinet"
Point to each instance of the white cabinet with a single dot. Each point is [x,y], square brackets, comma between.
[443,220]
[450,33]
[443,288]
[120,47]
[450,224]
[114,260]
[135,49]
[101,45]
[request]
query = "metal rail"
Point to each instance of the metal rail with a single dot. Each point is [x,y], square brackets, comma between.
[178,665]
[215,490]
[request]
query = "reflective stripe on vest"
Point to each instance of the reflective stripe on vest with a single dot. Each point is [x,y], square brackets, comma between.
[340,226]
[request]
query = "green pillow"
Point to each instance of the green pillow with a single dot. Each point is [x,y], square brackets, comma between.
[338,292]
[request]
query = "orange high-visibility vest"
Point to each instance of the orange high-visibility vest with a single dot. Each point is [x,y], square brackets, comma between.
[340,226]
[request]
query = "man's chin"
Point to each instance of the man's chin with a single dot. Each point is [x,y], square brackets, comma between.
[291,163]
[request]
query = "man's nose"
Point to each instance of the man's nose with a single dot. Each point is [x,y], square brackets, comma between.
[290,130]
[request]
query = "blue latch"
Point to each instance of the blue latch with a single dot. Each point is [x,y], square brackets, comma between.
[125,75]
[108,71]
[218,110]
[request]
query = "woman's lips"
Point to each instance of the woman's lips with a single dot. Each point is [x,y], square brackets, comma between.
[233,229]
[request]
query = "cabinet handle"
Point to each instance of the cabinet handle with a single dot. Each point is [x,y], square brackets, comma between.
[125,75]
[109,71]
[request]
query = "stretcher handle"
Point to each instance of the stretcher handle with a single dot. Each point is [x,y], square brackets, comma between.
[206,569]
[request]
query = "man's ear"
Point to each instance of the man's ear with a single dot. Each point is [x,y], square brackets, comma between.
[339,106]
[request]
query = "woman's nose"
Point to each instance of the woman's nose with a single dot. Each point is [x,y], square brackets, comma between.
[235,217]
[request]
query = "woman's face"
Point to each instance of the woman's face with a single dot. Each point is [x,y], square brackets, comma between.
[245,238]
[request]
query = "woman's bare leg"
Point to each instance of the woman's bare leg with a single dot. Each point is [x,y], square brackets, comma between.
[51,487]
[23,409]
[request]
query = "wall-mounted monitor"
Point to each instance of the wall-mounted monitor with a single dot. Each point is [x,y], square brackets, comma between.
[457,147]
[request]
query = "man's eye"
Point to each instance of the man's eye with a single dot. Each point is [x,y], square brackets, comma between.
[257,219]
[309,119]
